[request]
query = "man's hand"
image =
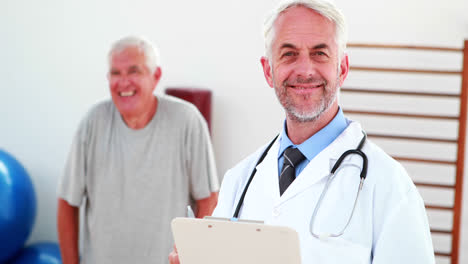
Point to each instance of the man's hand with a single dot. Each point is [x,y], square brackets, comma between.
[206,206]
[174,256]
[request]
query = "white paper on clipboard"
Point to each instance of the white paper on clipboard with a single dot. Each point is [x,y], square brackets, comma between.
[211,241]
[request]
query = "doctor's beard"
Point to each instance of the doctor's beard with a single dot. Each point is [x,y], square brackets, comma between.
[314,112]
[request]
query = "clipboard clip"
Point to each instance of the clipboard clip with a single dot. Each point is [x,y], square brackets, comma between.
[233,219]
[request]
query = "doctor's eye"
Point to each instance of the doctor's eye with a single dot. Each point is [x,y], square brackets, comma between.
[320,56]
[288,54]
[319,53]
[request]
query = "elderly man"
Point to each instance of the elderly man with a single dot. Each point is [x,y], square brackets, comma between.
[138,161]
[340,217]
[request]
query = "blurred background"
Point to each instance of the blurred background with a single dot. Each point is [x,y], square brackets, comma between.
[54,63]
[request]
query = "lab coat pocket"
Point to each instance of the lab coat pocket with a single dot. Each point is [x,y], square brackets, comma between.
[338,250]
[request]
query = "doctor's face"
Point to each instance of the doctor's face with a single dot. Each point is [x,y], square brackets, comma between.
[304,68]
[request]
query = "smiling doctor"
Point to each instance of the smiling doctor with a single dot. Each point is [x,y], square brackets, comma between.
[368,210]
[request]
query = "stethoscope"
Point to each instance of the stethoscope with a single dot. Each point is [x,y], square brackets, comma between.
[331,176]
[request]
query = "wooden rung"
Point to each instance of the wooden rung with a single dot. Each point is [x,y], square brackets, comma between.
[441,231]
[439,207]
[444,162]
[426,139]
[373,91]
[440,117]
[434,185]
[410,47]
[442,254]
[381,69]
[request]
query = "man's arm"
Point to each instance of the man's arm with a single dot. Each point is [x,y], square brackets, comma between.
[206,206]
[68,226]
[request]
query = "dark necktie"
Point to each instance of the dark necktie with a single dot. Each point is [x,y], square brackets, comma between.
[292,157]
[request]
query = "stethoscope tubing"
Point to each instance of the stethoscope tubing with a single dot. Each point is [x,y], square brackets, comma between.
[363,175]
[241,199]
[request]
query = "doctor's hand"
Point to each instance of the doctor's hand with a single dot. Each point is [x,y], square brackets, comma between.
[174,256]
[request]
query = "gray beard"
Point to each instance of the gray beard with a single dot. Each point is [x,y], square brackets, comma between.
[310,116]
[329,97]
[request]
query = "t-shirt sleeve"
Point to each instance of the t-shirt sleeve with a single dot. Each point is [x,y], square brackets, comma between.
[72,186]
[200,160]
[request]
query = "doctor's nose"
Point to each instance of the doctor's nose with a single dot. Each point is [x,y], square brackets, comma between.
[305,68]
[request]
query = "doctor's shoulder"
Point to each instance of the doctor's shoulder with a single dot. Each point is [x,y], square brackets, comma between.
[384,172]
[242,170]
[234,181]
[237,176]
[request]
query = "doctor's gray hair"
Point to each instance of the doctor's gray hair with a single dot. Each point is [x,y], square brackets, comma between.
[145,46]
[324,8]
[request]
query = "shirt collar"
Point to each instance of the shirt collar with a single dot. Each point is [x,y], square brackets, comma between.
[317,142]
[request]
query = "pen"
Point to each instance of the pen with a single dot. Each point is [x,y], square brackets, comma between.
[190,213]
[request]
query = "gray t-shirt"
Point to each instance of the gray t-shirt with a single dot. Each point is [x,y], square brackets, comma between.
[136,181]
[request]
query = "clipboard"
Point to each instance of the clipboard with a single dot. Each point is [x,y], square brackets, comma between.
[214,241]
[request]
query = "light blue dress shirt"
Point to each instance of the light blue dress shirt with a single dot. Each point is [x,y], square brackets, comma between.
[313,145]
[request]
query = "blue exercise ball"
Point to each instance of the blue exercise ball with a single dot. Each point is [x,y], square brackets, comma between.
[39,253]
[17,206]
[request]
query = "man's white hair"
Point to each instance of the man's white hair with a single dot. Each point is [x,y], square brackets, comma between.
[324,8]
[145,46]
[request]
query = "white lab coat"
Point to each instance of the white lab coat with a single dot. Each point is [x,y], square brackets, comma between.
[389,224]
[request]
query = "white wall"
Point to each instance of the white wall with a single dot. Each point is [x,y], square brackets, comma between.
[53,66]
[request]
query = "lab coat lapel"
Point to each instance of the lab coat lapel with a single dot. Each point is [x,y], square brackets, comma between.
[320,167]
[267,172]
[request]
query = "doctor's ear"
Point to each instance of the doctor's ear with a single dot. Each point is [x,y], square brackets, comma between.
[267,70]
[344,68]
